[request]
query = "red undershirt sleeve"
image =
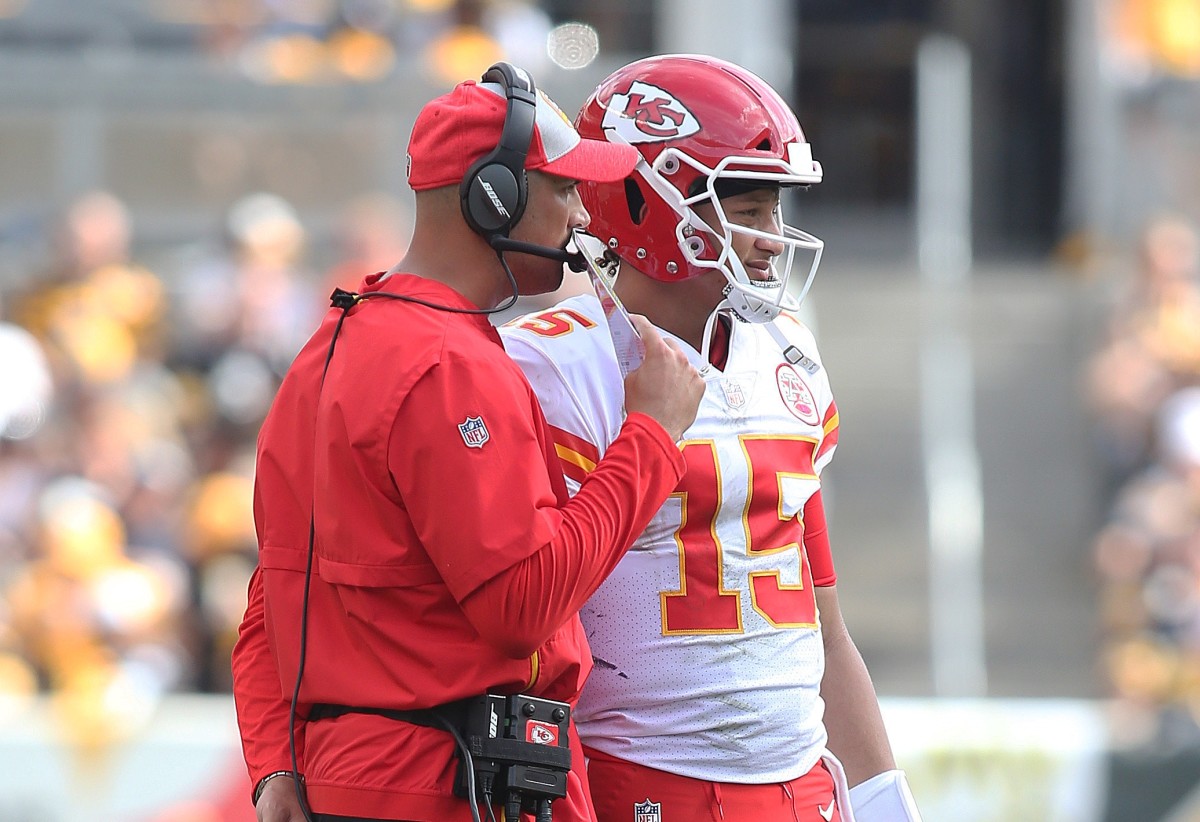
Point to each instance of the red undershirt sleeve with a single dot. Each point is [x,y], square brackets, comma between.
[816,542]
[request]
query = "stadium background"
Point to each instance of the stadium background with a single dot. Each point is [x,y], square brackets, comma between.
[181,181]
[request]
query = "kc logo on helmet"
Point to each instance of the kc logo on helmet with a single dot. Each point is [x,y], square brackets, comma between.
[474,432]
[648,114]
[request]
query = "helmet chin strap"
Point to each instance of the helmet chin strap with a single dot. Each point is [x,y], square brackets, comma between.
[706,342]
[750,308]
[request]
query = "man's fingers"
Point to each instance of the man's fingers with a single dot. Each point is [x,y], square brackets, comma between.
[651,335]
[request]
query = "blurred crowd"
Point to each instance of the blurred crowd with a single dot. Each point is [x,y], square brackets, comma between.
[132,399]
[1143,387]
[128,416]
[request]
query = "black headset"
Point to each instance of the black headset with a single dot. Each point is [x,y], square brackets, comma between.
[494,190]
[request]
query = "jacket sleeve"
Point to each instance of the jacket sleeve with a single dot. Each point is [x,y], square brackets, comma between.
[489,496]
[262,707]
[519,608]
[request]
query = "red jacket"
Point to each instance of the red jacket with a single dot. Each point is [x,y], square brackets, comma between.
[448,561]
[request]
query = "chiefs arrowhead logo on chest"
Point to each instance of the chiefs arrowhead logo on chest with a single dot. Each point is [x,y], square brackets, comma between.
[648,114]
[796,395]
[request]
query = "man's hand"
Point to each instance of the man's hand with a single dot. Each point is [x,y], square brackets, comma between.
[278,802]
[665,385]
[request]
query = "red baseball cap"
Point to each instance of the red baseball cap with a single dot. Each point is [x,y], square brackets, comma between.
[456,129]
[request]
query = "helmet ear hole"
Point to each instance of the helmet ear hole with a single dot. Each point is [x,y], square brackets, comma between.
[635,201]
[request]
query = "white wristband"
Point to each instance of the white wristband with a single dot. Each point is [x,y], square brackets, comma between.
[884,797]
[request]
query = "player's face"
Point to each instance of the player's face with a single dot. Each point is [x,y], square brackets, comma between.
[758,209]
[552,212]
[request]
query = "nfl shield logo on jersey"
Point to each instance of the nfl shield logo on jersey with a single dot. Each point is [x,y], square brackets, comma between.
[647,811]
[735,394]
[474,432]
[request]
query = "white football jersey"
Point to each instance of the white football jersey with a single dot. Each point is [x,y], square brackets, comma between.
[706,638]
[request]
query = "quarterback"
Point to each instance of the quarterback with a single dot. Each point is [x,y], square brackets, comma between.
[725,683]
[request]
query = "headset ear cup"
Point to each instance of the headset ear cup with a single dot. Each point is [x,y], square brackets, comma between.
[492,198]
[494,190]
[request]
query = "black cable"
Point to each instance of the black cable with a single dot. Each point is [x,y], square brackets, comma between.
[468,763]
[300,668]
[504,306]
[574,260]
[512,807]
[344,301]
[487,798]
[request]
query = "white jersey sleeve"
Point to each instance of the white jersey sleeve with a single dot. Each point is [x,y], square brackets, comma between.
[568,357]
[706,637]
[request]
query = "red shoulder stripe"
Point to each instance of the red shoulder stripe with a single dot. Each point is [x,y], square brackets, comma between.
[831,423]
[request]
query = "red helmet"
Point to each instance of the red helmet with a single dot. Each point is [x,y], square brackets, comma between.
[703,126]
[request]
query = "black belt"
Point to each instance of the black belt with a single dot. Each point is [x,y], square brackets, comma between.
[524,767]
[435,717]
[453,715]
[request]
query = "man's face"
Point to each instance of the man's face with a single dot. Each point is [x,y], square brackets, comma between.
[552,211]
[757,209]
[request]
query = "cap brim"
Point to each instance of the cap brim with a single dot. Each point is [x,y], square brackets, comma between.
[595,161]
